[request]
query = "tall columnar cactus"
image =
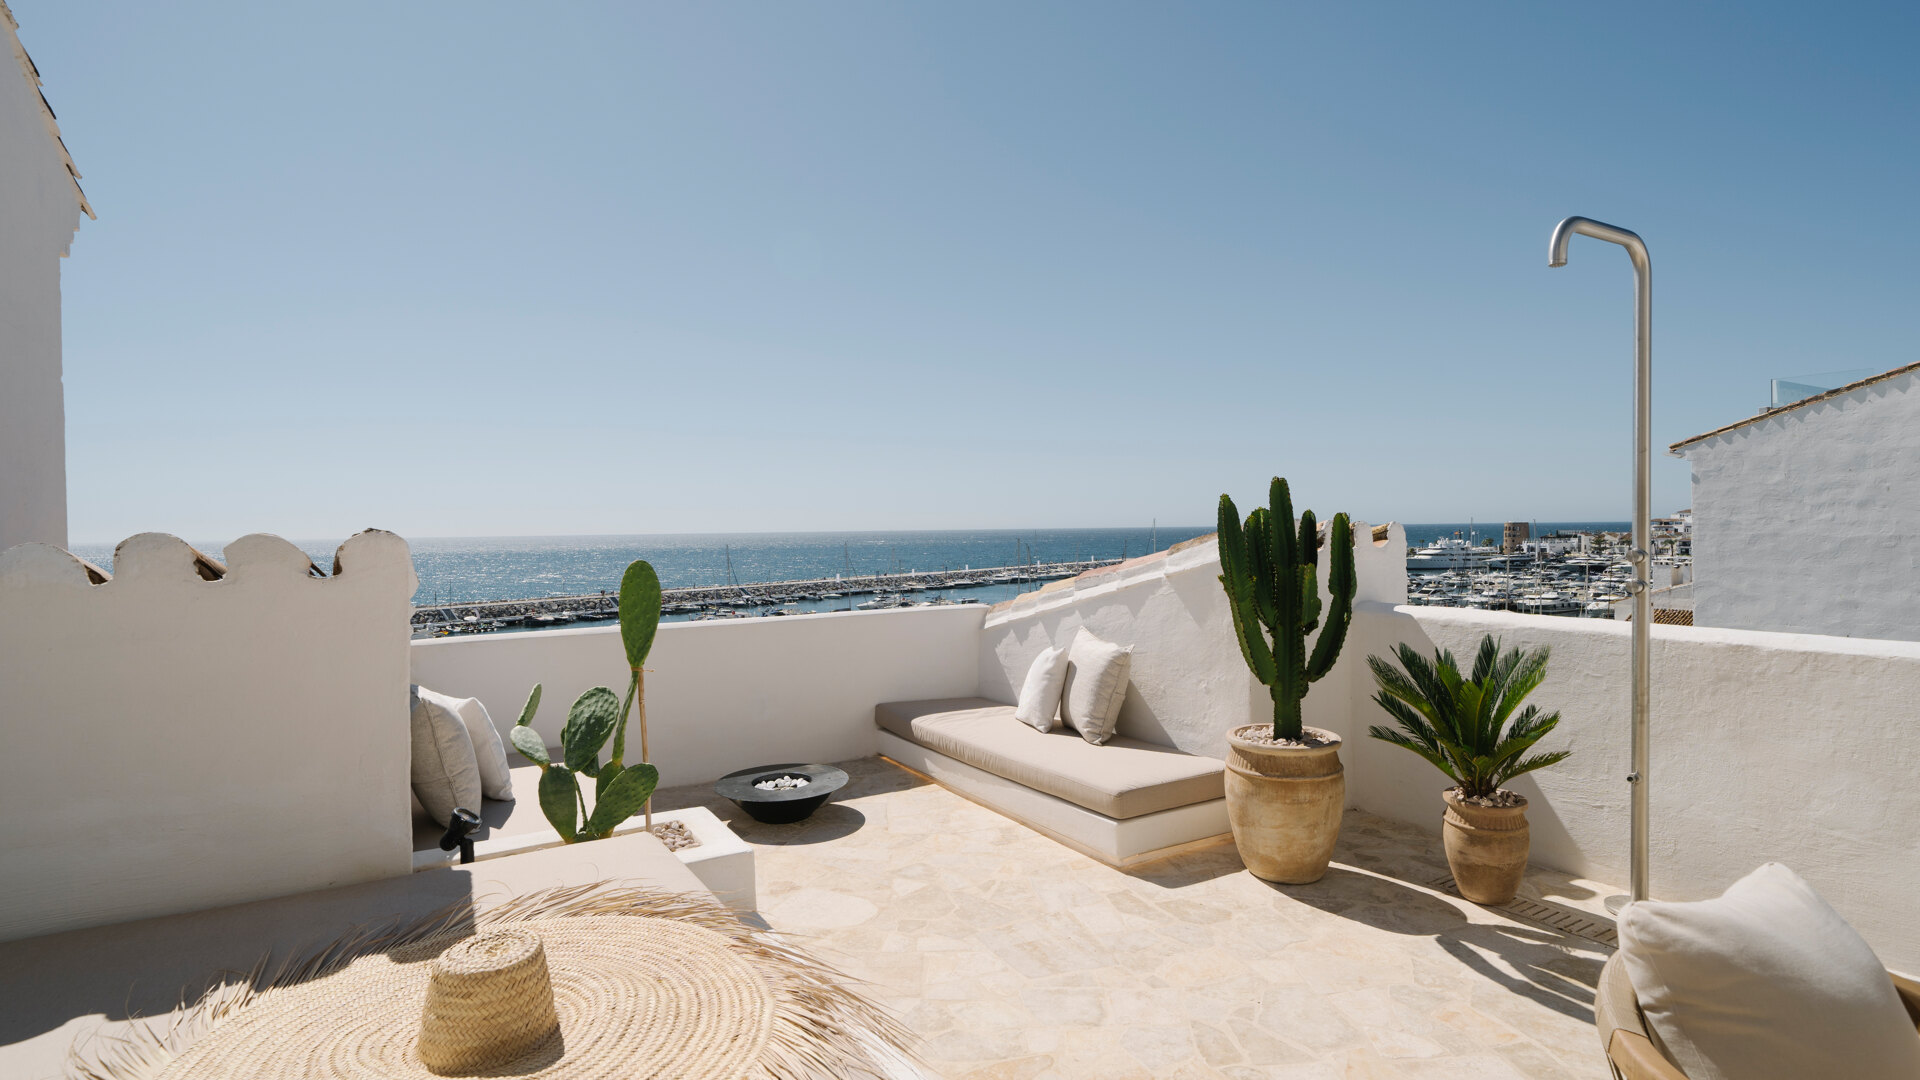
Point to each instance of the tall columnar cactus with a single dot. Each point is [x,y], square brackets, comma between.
[1269,572]
[620,790]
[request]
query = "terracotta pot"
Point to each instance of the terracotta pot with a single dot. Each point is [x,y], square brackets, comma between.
[1486,848]
[1284,804]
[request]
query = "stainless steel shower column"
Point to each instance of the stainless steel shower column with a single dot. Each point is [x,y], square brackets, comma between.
[1641,555]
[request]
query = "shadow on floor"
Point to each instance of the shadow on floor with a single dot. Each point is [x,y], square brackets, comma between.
[150,966]
[830,822]
[1189,867]
[1534,963]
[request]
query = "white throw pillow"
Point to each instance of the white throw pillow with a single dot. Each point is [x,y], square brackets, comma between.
[496,781]
[1040,695]
[1766,983]
[1096,685]
[445,772]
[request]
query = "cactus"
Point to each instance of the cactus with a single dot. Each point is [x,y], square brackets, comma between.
[1270,574]
[620,790]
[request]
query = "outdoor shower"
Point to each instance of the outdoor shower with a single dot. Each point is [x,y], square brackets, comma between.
[1641,556]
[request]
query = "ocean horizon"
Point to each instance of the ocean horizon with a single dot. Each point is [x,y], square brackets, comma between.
[469,569]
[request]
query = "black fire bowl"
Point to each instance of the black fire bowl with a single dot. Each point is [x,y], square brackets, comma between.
[781,807]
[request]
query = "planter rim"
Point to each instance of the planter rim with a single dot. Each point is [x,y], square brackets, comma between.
[1452,797]
[1331,741]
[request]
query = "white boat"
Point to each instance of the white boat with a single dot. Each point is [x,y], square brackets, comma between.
[1451,553]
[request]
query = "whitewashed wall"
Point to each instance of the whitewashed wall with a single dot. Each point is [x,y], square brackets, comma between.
[176,744]
[39,211]
[1190,684]
[729,693]
[1809,521]
[1765,747]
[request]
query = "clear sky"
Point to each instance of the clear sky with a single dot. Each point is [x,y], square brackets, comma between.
[486,268]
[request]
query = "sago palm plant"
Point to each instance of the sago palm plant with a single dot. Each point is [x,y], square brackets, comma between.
[1466,726]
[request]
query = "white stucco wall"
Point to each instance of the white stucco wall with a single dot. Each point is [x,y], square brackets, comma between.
[176,744]
[1189,683]
[38,215]
[730,693]
[1809,521]
[1765,747]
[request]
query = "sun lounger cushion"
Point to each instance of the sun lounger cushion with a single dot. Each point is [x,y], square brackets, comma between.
[1039,703]
[1765,983]
[1124,778]
[489,753]
[446,774]
[1096,685]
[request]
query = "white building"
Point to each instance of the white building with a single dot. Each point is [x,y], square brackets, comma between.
[40,207]
[1807,517]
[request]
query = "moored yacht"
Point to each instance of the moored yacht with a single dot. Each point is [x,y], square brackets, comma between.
[1451,553]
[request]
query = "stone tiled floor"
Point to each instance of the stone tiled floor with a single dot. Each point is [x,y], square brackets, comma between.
[1015,957]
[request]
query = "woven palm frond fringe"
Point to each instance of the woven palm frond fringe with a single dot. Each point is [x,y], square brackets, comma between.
[823,1028]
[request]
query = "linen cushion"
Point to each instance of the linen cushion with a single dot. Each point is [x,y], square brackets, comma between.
[1765,983]
[1040,695]
[1123,779]
[445,772]
[489,753]
[1096,685]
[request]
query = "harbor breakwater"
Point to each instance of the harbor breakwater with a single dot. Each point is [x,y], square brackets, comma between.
[739,601]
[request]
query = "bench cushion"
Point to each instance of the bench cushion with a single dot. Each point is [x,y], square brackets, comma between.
[1122,779]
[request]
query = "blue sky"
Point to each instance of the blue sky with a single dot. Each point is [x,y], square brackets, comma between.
[488,268]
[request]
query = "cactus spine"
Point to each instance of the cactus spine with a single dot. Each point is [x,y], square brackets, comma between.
[620,790]
[1270,574]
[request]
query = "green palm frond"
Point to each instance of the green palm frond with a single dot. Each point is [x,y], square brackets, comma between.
[1537,761]
[1439,759]
[1467,726]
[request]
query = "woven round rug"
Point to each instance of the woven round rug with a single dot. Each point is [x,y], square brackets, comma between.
[635,997]
[641,984]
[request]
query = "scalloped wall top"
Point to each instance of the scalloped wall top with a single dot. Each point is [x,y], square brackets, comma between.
[368,549]
[153,556]
[42,564]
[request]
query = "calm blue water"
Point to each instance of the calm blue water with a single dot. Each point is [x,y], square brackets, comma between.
[516,568]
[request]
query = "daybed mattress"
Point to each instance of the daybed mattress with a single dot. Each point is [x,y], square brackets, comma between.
[1124,778]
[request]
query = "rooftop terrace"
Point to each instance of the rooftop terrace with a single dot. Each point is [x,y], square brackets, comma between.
[1006,950]
[1015,957]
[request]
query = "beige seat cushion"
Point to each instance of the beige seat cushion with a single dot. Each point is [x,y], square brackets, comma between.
[1124,778]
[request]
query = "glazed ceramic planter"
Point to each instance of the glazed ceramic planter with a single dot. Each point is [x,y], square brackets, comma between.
[1284,803]
[1486,848]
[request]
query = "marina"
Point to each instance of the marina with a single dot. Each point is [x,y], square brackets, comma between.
[871,592]
[1577,575]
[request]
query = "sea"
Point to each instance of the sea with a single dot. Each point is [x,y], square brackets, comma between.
[463,570]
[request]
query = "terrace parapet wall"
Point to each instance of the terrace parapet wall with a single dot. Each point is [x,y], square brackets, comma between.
[184,733]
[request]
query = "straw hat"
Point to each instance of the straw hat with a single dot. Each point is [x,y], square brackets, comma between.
[581,983]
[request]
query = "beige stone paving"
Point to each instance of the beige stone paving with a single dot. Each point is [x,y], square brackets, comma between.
[1014,957]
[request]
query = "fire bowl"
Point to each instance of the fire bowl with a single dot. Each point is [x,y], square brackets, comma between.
[780,806]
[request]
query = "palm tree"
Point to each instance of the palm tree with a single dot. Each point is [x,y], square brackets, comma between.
[1462,724]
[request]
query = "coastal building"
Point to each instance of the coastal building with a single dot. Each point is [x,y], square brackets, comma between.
[40,207]
[1806,518]
[1514,536]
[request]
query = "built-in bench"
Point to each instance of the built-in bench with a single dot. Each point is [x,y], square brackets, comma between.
[1123,803]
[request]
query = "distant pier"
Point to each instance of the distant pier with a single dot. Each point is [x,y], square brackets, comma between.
[731,601]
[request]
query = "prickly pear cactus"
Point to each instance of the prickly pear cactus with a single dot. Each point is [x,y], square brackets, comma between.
[597,716]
